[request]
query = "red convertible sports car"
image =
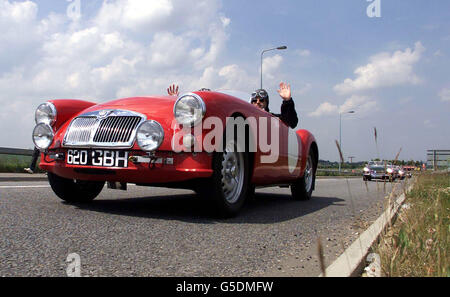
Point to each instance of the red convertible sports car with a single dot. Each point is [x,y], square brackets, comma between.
[216,144]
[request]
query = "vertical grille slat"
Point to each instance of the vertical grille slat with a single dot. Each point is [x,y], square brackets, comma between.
[114,130]
[128,123]
[80,130]
[111,129]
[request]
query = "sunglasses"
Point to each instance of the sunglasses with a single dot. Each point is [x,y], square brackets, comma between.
[262,100]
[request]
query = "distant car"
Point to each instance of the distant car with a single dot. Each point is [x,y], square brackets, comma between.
[131,140]
[408,170]
[377,170]
[403,173]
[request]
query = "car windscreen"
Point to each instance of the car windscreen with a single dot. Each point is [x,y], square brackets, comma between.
[377,168]
[245,96]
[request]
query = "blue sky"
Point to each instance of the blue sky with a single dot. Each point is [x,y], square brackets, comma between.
[394,71]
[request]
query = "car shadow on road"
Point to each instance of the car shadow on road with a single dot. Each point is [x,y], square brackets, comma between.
[263,209]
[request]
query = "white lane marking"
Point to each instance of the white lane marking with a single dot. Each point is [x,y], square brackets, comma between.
[332,179]
[36,187]
[26,187]
[48,186]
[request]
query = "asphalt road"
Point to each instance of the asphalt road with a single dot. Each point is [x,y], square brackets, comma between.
[162,232]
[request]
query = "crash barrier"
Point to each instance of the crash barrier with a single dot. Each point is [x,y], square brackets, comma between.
[16,152]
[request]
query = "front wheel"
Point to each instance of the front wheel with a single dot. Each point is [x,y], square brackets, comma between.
[303,188]
[229,185]
[74,190]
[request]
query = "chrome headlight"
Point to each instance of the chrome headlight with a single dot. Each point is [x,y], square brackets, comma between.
[150,135]
[366,169]
[43,136]
[189,109]
[46,114]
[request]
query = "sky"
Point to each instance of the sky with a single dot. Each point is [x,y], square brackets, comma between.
[389,61]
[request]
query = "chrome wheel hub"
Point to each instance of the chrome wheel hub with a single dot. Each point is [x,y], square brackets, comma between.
[232,173]
[309,172]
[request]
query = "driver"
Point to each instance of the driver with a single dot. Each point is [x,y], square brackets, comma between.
[260,99]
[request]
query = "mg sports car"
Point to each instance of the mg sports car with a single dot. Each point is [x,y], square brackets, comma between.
[162,141]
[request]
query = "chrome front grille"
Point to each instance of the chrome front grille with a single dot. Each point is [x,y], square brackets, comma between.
[107,128]
[116,129]
[80,130]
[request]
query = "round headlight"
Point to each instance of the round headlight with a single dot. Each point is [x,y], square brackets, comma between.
[189,109]
[366,169]
[150,135]
[43,136]
[389,170]
[46,114]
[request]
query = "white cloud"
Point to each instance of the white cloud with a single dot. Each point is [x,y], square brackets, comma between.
[325,108]
[384,70]
[303,52]
[360,104]
[134,15]
[225,21]
[128,48]
[270,65]
[17,12]
[445,95]
[428,124]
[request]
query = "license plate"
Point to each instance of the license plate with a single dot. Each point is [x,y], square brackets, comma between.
[101,158]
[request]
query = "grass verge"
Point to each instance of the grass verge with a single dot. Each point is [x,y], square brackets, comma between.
[417,244]
[16,164]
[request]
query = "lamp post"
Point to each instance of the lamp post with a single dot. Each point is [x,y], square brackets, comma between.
[267,50]
[340,132]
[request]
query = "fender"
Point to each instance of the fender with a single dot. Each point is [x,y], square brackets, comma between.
[68,108]
[308,143]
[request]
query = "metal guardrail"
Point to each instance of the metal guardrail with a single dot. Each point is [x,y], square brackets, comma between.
[337,170]
[16,152]
[25,152]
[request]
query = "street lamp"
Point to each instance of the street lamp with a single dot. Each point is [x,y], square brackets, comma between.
[267,50]
[340,132]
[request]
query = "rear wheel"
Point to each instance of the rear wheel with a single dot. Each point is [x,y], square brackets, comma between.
[74,190]
[303,188]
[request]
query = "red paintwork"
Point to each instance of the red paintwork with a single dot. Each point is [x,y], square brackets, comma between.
[67,109]
[186,166]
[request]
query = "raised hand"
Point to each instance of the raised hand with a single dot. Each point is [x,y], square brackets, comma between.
[173,90]
[285,91]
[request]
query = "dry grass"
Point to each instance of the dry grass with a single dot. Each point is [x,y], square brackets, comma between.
[417,244]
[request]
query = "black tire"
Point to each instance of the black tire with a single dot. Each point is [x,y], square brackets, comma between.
[225,205]
[74,191]
[364,178]
[251,193]
[218,191]
[303,188]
